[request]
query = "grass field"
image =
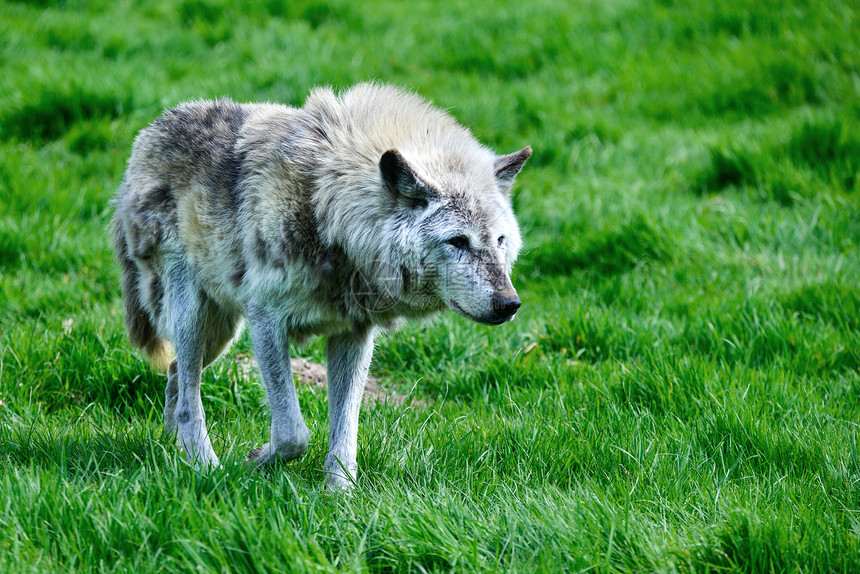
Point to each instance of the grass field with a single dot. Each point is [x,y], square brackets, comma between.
[680,391]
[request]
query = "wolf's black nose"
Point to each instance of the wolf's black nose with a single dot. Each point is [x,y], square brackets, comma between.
[504,306]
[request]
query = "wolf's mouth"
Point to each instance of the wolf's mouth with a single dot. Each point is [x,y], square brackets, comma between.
[494,321]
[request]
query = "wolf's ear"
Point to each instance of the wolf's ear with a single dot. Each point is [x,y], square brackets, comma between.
[400,177]
[506,168]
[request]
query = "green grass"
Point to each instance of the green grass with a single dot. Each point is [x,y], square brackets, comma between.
[678,393]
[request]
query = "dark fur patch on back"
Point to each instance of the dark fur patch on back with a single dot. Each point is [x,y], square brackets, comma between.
[205,135]
[228,163]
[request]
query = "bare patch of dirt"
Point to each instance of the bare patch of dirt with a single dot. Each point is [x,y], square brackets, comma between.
[314,375]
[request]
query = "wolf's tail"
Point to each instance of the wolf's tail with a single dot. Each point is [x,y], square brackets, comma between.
[141,331]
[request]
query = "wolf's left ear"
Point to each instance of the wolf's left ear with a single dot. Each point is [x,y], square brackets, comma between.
[401,178]
[506,168]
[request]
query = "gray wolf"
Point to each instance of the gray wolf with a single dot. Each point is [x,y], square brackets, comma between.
[339,218]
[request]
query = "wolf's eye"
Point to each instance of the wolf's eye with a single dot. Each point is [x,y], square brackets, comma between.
[501,240]
[459,242]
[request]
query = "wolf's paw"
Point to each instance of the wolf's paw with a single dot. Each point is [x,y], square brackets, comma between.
[205,464]
[339,483]
[261,456]
[258,457]
[266,454]
[339,476]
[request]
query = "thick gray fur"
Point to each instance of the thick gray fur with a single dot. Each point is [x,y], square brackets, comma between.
[339,218]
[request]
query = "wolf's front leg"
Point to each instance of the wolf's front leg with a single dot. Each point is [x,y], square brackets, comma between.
[171,397]
[289,436]
[348,361]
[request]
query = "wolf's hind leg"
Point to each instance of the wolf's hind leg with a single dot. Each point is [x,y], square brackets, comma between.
[188,310]
[348,362]
[289,434]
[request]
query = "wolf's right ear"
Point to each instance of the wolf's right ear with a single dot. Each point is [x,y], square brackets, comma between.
[401,178]
[506,168]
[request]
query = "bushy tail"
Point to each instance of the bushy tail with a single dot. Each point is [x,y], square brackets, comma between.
[141,331]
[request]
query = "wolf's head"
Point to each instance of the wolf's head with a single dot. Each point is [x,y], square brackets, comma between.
[463,236]
[421,208]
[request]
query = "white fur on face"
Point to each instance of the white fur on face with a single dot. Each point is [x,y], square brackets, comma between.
[468,277]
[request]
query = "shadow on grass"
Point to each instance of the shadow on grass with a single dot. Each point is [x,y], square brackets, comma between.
[78,362]
[633,243]
[833,302]
[825,150]
[78,451]
[51,112]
